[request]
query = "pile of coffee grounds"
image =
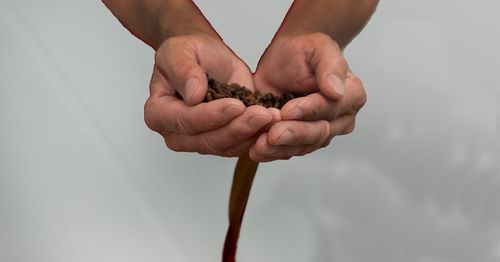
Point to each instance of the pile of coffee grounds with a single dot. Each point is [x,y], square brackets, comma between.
[218,90]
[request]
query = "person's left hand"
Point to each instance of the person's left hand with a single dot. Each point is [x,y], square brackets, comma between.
[310,63]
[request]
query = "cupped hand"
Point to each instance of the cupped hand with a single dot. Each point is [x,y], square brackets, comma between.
[313,64]
[221,127]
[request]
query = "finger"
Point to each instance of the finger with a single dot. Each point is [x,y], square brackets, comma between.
[311,108]
[316,106]
[178,62]
[262,151]
[241,75]
[244,147]
[159,86]
[293,133]
[319,133]
[243,128]
[356,90]
[286,152]
[239,149]
[329,66]
[169,114]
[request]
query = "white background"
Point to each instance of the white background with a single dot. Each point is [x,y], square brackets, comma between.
[83,179]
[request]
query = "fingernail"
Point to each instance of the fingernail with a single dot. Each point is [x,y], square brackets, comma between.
[295,113]
[191,86]
[256,122]
[231,111]
[285,138]
[335,83]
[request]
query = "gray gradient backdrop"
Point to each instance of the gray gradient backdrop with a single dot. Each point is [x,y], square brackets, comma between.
[83,179]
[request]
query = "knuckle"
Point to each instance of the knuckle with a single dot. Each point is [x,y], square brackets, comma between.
[326,131]
[183,70]
[149,118]
[173,144]
[207,146]
[184,126]
[238,133]
[350,128]
[315,113]
[336,111]
[361,97]
[340,62]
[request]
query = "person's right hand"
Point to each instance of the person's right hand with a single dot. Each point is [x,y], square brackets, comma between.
[221,127]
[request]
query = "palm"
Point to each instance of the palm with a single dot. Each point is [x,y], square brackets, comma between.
[284,69]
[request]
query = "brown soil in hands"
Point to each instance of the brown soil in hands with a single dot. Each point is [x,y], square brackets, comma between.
[218,90]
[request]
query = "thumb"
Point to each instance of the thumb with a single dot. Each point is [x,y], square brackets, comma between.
[184,74]
[192,86]
[331,70]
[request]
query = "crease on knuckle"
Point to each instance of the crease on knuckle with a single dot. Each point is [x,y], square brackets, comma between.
[314,112]
[183,70]
[183,125]
[336,111]
[207,146]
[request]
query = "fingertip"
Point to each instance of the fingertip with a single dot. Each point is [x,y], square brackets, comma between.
[232,108]
[292,112]
[276,115]
[259,116]
[253,155]
[258,147]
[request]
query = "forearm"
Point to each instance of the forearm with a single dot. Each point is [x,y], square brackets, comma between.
[153,21]
[341,19]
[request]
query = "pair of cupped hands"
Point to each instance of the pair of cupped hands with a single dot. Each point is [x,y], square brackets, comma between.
[310,63]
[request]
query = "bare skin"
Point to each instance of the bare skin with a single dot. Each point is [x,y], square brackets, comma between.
[306,56]
[306,50]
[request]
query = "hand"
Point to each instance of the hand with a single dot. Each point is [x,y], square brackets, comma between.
[220,127]
[307,63]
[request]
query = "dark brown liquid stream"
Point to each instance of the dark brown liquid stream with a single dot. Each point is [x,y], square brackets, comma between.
[244,174]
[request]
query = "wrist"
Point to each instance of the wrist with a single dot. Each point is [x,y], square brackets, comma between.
[179,21]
